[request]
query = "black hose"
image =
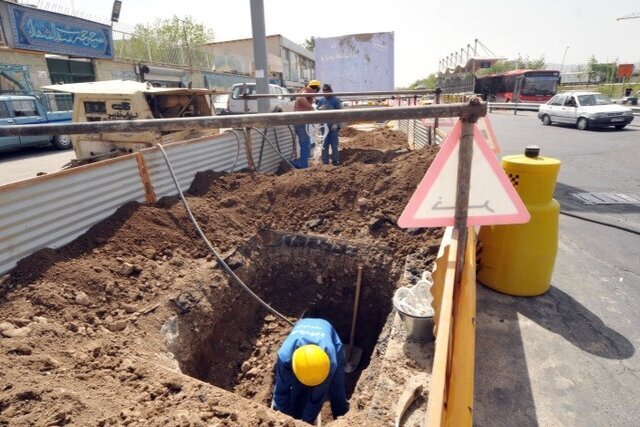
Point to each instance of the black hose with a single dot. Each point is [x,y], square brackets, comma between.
[221,262]
[607,224]
[276,150]
[235,162]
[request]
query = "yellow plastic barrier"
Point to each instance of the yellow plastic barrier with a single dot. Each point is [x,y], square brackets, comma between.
[518,259]
[451,392]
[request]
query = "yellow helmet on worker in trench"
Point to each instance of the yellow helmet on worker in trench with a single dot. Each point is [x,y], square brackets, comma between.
[310,365]
[315,83]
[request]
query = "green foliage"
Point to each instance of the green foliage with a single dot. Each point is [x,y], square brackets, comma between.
[428,82]
[517,64]
[310,44]
[601,72]
[174,32]
[166,41]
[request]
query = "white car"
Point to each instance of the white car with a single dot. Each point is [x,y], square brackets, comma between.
[237,105]
[585,110]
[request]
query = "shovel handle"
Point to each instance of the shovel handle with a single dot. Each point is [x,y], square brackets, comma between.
[356,305]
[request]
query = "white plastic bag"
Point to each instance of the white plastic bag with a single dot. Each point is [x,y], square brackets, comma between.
[415,300]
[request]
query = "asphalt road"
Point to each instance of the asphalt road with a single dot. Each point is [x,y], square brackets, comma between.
[23,164]
[572,356]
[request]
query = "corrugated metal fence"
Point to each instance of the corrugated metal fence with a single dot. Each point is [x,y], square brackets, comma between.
[417,133]
[52,210]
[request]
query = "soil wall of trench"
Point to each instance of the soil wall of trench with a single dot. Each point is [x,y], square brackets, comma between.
[133,323]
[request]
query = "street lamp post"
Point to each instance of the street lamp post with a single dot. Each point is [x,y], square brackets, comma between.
[563,57]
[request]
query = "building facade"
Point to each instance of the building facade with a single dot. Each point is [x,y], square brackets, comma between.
[290,65]
[40,47]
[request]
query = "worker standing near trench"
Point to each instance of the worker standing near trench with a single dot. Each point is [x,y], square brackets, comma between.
[331,140]
[310,371]
[304,103]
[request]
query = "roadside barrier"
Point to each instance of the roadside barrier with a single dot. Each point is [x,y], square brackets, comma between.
[451,391]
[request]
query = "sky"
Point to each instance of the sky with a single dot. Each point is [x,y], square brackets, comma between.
[425,30]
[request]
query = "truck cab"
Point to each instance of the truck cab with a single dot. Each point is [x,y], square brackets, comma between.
[128,100]
[27,110]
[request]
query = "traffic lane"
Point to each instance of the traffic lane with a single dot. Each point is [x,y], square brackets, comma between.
[603,160]
[570,356]
[26,163]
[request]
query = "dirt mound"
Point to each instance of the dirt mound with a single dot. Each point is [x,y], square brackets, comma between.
[89,332]
[349,132]
[382,139]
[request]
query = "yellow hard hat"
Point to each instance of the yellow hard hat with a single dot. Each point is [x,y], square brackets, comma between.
[315,83]
[311,365]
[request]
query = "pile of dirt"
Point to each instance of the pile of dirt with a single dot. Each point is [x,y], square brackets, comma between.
[383,139]
[88,331]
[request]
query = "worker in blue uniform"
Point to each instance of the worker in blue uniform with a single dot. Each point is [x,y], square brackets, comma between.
[310,371]
[331,140]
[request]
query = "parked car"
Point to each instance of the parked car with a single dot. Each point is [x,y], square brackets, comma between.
[279,104]
[221,104]
[26,110]
[585,110]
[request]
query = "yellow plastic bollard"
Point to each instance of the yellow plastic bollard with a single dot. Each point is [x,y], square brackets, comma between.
[518,259]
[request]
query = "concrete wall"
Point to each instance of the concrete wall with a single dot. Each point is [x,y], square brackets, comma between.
[38,74]
[115,70]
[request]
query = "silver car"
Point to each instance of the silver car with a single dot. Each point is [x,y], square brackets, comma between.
[585,110]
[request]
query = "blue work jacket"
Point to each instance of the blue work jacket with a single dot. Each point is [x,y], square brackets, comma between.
[296,399]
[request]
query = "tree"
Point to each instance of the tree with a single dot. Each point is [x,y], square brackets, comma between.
[310,44]
[516,64]
[172,32]
[428,82]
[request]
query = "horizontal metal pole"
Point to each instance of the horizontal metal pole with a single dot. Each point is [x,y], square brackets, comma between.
[372,94]
[462,110]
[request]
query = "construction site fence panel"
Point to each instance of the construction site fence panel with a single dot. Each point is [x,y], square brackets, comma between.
[52,210]
[418,135]
[451,389]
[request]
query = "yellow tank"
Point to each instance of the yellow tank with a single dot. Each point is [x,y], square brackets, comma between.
[518,259]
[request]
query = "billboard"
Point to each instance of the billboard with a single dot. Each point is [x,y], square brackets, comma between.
[34,29]
[625,70]
[356,62]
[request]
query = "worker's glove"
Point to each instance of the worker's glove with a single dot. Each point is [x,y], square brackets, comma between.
[322,107]
[334,127]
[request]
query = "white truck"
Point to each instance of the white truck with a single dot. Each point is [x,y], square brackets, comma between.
[129,100]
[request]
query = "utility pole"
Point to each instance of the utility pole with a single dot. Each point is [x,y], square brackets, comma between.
[260,54]
[563,57]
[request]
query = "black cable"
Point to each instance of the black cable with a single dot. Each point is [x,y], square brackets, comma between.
[276,150]
[221,262]
[595,221]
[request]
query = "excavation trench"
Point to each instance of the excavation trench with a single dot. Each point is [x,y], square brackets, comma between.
[231,341]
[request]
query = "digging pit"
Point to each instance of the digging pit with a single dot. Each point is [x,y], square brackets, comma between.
[234,347]
[175,342]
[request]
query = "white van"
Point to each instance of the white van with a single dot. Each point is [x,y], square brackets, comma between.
[279,104]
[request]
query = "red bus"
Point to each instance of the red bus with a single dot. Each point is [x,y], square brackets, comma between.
[518,85]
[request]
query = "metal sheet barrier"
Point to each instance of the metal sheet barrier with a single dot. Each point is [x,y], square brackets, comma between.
[417,134]
[52,210]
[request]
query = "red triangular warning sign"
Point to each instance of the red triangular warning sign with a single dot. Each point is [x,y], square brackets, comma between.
[492,197]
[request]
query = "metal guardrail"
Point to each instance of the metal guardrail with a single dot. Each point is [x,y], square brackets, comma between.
[464,111]
[512,106]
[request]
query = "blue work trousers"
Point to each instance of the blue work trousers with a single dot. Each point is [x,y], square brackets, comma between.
[305,147]
[331,140]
